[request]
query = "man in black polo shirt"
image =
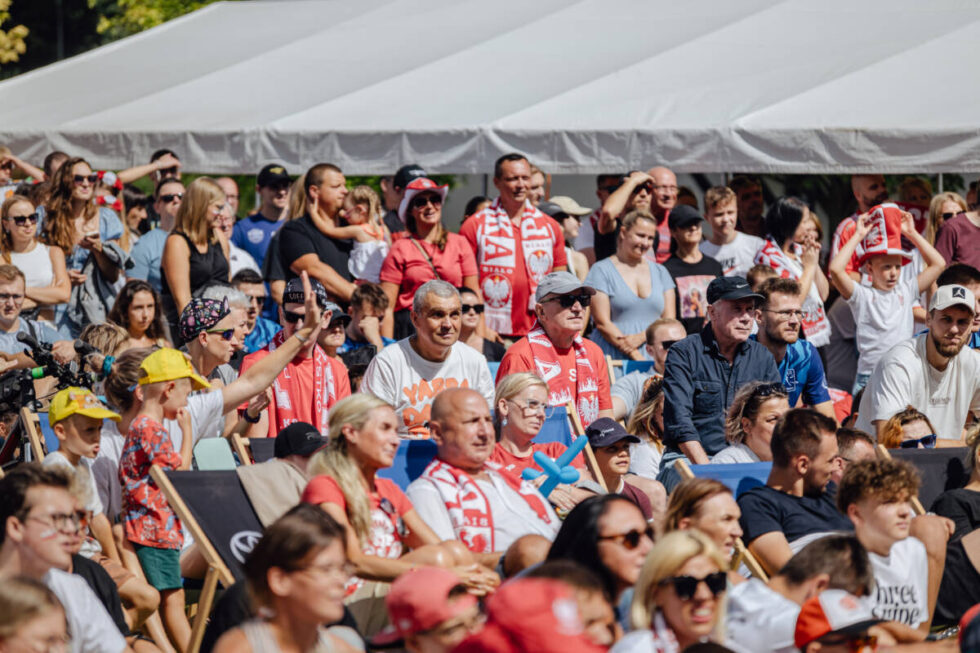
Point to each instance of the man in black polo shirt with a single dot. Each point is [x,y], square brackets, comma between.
[393,189]
[302,244]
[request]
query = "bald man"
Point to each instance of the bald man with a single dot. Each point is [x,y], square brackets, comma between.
[869,191]
[230,188]
[463,496]
[664,199]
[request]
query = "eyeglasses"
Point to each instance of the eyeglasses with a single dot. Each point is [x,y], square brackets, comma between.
[345,570]
[666,189]
[21,220]
[7,297]
[947,216]
[168,172]
[423,200]
[533,406]
[787,314]
[170,197]
[92,178]
[567,301]
[630,540]
[63,522]
[927,441]
[226,334]
[278,188]
[466,308]
[686,586]
[257,299]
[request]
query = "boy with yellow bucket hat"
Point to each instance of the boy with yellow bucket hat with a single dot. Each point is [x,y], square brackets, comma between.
[166,378]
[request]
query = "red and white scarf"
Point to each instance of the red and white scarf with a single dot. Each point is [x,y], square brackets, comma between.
[580,385]
[469,509]
[324,390]
[816,326]
[497,259]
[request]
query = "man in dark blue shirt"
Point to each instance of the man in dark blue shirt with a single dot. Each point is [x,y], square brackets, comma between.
[254,232]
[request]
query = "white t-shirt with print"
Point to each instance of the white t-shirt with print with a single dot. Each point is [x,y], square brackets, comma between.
[901,583]
[882,318]
[92,629]
[105,469]
[410,383]
[736,257]
[761,620]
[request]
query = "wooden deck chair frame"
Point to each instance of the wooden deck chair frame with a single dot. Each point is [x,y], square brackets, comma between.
[884,454]
[240,447]
[31,424]
[742,553]
[610,364]
[578,430]
[217,569]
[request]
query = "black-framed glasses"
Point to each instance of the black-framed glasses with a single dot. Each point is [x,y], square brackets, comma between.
[92,178]
[948,216]
[927,441]
[21,220]
[686,586]
[170,197]
[466,308]
[421,201]
[226,334]
[611,188]
[534,406]
[630,540]
[63,522]
[291,317]
[567,301]
[787,314]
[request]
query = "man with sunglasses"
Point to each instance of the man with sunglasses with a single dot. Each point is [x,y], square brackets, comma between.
[393,191]
[630,192]
[573,367]
[606,184]
[259,329]
[661,335]
[254,232]
[147,253]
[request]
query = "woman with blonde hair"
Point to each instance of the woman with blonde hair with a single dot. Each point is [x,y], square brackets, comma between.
[679,598]
[915,190]
[943,207]
[196,252]
[751,419]
[647,423]
[45,275]
[908,429]
[31,617]
[708,506]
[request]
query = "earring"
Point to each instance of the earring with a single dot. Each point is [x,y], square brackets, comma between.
[503,421]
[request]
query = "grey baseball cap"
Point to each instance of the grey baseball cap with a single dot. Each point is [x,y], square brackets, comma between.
[560,283]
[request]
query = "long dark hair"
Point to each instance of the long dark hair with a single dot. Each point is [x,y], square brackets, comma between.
[783,219]
[120,310]
[59,223]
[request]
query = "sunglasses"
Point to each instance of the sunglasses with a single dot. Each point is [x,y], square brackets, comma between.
[92,178]
[466,308]
[291,317]
[767,389]
[632,539]
[948,216]
[226,334]
[686,586]
[667,344]
[611,188]
[257,299]
[647,186]
[170,197]
[567,301]
[7,165]
[423,200]
[927,441]
[169,172]
[21,220]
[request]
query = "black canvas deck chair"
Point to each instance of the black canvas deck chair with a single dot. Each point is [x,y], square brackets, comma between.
[940,469]
[253,450]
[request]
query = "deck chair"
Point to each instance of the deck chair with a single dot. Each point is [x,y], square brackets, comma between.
[31,423]
[212,454]
[411,459]
[738,477]
[630,366]
[241,449]
[614,367]
[216,511]
[253,450]
[556,428]
[577,431]
[940,470]
[742,553]
[494,368]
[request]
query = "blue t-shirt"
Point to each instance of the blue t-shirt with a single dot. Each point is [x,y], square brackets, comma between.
[40,331]
[351,345]
[260,336]
[627,311]
[802,372]
[147,254]
[253,234]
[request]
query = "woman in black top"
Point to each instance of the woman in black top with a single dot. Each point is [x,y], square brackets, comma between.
[469,327]
[196,253]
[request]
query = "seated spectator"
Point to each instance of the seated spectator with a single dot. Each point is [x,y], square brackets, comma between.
[39,523]
[875,497]
[385,536]
[469,327]
[968,277]
[611,445]
[11,323]
[647,423]
[254,232]
[708,506]
[798,497]
[853,446]
[762,615]
[631,290]
[689,268]
[574,368]
[409,374]
[46,277]
[312,382]
[659,336]
[238,304]
[31,616]
[753,415]
[147,253]
[834,621]
[368,307]
[679,596]
[500,507]
[734,250]
[138,311]
[934,372]
[704,370]
[334,334]
[297,572]
[260,330]
[594,609]
[908,429]
[213,333]
[799,363]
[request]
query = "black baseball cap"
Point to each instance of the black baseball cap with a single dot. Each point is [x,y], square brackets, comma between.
[730,288]
[606,431]
[683,216]
[272,175]
[298,439]
[550,209]
[294,292]
[406,174]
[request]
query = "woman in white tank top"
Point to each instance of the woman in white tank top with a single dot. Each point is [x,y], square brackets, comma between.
[43,266]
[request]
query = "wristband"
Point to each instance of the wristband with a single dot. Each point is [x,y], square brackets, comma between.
[302,339]
[251,420]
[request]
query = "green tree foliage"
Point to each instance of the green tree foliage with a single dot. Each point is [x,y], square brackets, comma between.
[119,18]
[11,40]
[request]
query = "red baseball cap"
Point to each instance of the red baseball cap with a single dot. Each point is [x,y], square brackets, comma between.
[418,601]
[832,611]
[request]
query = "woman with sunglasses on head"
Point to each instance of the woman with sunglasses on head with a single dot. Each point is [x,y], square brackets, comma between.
[708,506]
[137,309]
[908,429]
[427,251]
[47,282]
[469,327]
[633,291]
[751,419]
[679,597]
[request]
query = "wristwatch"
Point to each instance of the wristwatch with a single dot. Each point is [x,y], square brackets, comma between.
[251,420]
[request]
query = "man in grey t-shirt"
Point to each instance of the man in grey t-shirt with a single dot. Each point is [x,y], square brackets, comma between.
[627,391]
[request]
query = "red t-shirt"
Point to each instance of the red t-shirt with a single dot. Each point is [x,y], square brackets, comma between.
[663,243]
[406,267]
[297,383]
[516,465]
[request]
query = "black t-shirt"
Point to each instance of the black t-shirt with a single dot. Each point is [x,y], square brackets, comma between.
[765,510]
[960,587]
[101,583]
[493,351]
[692,281]
[300,237]
[393,222]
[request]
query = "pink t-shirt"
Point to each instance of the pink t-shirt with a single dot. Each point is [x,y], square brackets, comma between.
[407,267]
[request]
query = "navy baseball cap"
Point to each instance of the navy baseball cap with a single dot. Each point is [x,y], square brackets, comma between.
[730,288]
[407,174]
[606,431]
[294,292]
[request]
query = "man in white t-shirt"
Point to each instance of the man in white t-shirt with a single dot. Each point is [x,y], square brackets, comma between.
[464,497]
[733,249]
[410,373]
[39,522]
[933,372]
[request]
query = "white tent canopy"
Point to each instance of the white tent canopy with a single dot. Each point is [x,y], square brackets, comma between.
[580,86]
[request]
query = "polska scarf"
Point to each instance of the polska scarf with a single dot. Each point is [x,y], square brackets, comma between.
[585,392]
[469,509]
[816,326]
[324,390]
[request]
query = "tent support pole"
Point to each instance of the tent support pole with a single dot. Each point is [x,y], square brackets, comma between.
[486,185]
[941,182]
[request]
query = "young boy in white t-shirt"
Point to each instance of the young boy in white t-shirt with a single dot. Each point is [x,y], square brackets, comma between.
[733,249]
[883,312]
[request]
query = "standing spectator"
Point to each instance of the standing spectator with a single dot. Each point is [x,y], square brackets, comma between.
[238,258]
[253,233]
[427,252]
[7,164]
[943,207]
[138,311]
[469,327]
[959,239]
[869,191]
[147,253]
[574,368]
[570,219]
[474,205]
[915,190]
[633,192]
[664,200]
[44,269]
[734,250]
[606,184]
[631,291]
[753,415]
[135,203]
[372,241]
[334,334]
[196,253]
[751,206]
[393,191]
[410,373]
[691,270]
[164,164]
[515,246]
[660,336]
[536,193]
[794,256]
[230,188]
[368,305]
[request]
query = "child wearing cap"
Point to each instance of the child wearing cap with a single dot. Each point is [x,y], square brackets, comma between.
[611,445]
[166,379]
[883,311]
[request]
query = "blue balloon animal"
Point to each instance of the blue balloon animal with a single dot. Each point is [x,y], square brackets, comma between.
[558,470]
